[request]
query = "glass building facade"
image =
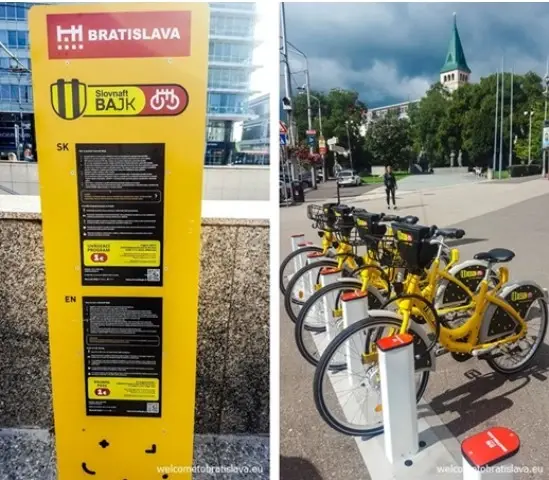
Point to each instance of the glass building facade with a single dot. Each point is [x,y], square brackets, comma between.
[232,43]
[254,147]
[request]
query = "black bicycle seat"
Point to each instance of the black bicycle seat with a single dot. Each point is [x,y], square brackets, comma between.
[409,219]
[451,232]
[496,255]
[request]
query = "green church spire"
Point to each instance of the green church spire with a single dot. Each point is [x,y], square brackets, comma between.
[455,58]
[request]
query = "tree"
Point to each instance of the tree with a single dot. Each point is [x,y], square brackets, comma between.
[338,106]
[429,126]
[389,141]
[464,120]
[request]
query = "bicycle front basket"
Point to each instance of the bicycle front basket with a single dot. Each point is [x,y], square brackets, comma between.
[413,246]
[329,214]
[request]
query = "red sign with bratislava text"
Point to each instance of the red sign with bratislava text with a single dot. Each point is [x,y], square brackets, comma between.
[119,35]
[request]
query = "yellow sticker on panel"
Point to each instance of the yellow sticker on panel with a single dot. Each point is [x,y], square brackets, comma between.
[121,253]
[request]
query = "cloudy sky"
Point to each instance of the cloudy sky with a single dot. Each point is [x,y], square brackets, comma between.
[391,52]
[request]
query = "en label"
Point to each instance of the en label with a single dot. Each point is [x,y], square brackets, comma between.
[123,356]
[121,207]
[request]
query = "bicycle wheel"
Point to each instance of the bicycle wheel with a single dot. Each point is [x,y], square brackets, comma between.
[292,263]
[514,357]
[343,408]
[312,331]
[302,285]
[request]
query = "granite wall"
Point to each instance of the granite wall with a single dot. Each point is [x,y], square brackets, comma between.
[233,354]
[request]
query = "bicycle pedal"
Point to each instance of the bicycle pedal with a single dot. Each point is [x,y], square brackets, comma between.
[440,351]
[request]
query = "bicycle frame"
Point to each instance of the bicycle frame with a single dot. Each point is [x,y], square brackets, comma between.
[452,338]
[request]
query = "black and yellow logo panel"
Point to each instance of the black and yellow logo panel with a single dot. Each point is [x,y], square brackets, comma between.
[69,98]
[72,99]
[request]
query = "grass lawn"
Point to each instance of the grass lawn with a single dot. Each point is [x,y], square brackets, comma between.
[379,179]
[504,175]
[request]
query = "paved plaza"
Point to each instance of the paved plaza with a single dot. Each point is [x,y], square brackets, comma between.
[467,397]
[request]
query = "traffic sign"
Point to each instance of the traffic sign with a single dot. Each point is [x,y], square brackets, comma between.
[332,141]
[114,118]
[322,146]
[283,139]
[311,132]
[283,127]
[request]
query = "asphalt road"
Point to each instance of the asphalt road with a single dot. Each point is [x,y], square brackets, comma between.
[328,190]
[468,397]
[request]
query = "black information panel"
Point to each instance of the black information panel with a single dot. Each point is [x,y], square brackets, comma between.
[123,364]
[121,209]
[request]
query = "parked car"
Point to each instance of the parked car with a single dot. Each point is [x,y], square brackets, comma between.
[348,178]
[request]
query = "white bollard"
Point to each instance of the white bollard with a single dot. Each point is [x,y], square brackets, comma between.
[398,396]
[328,276]
[487,455]
[355,308]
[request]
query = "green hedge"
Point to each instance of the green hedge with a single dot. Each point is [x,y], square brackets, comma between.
[524,170]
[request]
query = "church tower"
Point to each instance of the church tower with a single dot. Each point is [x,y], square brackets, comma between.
[455,71]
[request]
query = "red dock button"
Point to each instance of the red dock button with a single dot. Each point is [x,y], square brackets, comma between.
[488,448]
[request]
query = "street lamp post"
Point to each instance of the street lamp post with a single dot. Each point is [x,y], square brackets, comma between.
[16,69]
[350,145]
[303,90]
[545,93]
[309,115]
[530,113]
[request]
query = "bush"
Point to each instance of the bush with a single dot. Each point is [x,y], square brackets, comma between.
[524,170]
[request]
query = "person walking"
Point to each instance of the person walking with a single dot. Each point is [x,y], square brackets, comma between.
[390,182]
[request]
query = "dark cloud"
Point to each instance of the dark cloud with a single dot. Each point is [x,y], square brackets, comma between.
[392,52]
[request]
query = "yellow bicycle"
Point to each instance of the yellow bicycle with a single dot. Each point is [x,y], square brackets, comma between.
[324,220]
[497,325]
[344,259]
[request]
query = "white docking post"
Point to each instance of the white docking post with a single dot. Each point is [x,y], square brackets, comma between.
[329,275]
[355,308]
[311,278]
[296,240]
[398,396]
[487,455]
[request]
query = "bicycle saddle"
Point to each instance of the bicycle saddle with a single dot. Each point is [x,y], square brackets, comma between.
[409,219]
[450,232]
[496,255]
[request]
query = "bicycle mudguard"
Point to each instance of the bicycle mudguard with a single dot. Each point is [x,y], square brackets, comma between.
[470,273]
[423,360]
[497,323]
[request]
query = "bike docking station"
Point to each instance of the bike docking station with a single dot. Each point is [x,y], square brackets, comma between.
[120,109]
[409,448]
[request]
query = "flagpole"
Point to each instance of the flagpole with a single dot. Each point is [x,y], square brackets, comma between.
[511,121]
[496,126]
[501,125]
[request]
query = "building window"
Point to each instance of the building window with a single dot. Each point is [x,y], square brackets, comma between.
[230,52]
[16,39]
[215,156]
[10,94]
[228,78]
[231,25]
[215,131]
[249,6]
[227,103]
